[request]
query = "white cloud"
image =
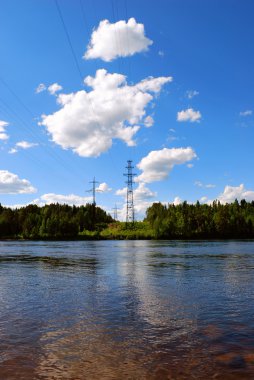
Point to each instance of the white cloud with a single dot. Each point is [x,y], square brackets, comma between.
[149,121]
[3,124]
[189,166]
[153,84]
[161,53]
[11,184]
[189,115]
[46,199]
[121,39]
[191,93]
[25,144]
[231,193]
[103,187]
[40,88]
[22,145]
[139,194]
[246,113]
[208,186]
[172,138]
[177,201]
[70,199]
[142,192]
[54,88]
[13,151]
[3,134]
[87,122]
[157,165]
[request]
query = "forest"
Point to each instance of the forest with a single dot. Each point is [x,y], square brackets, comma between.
[202,221]
[53,221]
[184,221]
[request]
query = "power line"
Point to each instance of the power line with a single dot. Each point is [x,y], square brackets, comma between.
[31,131]
[84,17]
[16,97]
[69,40]
[115,34]
[7,109]
[128,41]
[115,209]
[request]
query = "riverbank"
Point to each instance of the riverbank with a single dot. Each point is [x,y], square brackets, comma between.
[162,222]
[123,231]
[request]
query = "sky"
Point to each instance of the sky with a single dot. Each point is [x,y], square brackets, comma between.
[86,85]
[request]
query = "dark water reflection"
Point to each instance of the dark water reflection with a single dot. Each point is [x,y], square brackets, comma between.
[126,310]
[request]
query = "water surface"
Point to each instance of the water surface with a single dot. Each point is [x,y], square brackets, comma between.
[126,310]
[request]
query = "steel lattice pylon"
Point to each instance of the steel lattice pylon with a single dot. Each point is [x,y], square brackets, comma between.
[130,213]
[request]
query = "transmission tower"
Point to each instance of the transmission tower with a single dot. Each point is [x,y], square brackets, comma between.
[93,190]
[130,214]
[115,212]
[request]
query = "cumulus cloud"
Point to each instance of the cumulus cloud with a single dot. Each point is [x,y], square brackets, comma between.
[189,115]
[157,165]
[231,193]
[120,39]
[142,192]
[87,122]
[11,184]
[208,186]
[13,151]
[40,88]
[153,84]
[177,201]
[191,93]
[149,121]
[46,199]
[246,113]
[70,199]
[25,144]
[3,134]
[54,88]
[22,145]
[103,187]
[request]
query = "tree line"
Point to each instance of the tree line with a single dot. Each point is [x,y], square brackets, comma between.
[202,221]
[51,221]
[183,221]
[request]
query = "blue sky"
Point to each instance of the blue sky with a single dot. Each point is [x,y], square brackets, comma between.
[188,65]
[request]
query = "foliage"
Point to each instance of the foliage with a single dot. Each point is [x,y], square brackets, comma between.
[215,221]
[184,221]
[51,221]
[121,230]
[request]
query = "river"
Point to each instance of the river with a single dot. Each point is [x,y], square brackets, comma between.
[127,310]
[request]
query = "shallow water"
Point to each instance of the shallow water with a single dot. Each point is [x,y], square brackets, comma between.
[127,310]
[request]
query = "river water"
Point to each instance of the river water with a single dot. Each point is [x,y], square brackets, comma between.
[127,310]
